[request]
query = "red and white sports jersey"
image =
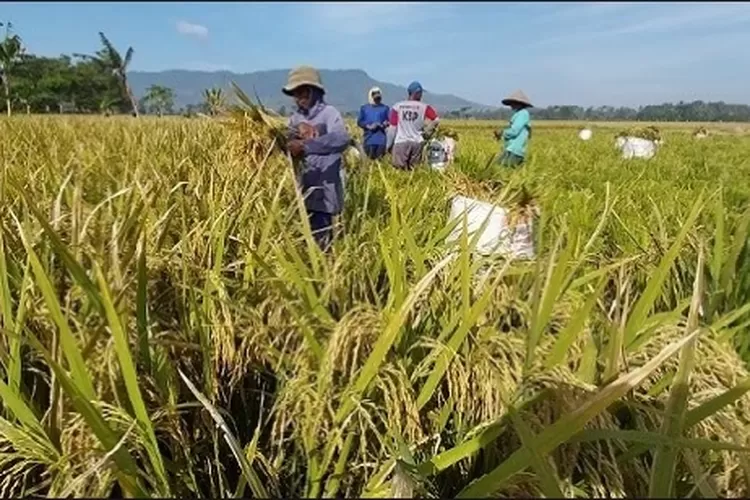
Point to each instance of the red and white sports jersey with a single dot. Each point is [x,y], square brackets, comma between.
[409,119]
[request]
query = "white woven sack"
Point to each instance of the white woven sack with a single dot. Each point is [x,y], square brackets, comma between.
[449,143]
[635,147]
[497,238]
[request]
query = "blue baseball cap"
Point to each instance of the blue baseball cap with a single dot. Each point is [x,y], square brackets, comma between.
[414,87]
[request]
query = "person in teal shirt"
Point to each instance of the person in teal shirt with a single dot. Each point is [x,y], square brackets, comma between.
[517,135]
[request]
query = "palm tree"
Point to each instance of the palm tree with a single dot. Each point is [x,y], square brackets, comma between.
[109,58]
[214,100]
[10,50]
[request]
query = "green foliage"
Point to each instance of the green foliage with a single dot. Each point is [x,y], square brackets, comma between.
[696,111]
[109,60]
[52,84]
[11,49]
[159,99]
[214,100]
[80,83]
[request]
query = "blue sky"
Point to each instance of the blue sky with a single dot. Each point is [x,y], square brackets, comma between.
[595,53]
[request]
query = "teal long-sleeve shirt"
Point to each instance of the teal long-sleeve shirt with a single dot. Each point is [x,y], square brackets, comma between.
[518,132]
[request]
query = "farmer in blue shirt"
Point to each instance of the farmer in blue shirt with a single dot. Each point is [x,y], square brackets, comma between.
[517,135]
[373,119]
[317,138]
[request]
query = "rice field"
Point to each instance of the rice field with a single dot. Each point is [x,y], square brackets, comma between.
[169,327]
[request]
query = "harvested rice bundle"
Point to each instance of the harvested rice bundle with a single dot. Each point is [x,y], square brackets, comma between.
[522,207]
[490,190]
[445,132]
[481,189]
[255,130]
[700,133]
[650,133]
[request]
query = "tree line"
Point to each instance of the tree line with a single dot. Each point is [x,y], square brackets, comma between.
[98,83]
[696,111]
[81,83]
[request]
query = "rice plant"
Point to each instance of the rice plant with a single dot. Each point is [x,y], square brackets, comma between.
[169,327]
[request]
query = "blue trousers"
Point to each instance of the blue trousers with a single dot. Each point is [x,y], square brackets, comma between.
[374,151]
[321,224]
[511,160]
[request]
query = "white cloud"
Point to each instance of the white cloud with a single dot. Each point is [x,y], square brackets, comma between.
[364,18]
[666,18]
[191,29]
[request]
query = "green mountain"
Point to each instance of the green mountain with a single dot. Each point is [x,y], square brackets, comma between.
[345,89]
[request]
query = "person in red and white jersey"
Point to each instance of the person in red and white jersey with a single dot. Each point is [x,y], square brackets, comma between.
[413,120]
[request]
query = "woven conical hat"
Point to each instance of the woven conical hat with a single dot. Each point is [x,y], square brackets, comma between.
[519,97]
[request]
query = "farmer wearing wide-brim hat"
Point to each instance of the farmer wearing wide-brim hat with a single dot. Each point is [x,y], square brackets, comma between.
[317,138]
[517,135]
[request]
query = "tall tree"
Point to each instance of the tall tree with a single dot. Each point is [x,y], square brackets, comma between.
[11,49]
[159,99]
[214,100]
[109,58]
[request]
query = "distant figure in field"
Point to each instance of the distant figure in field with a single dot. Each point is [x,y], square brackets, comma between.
[413,120]
[317,138]
[517,134]
[373,120]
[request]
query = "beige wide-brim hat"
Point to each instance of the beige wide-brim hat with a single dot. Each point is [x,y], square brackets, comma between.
[300,76]
[519,97]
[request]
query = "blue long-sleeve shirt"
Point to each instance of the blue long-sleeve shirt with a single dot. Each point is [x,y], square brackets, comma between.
[517,134]
[369,114]
[320,178]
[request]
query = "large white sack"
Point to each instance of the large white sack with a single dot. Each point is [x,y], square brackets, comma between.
[497,238]
[585,134]
[635,147]
[449,143]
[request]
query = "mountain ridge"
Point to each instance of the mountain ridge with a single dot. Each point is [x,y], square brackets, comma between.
[345,88]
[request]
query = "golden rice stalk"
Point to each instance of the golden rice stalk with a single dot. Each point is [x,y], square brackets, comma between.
[255,131]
